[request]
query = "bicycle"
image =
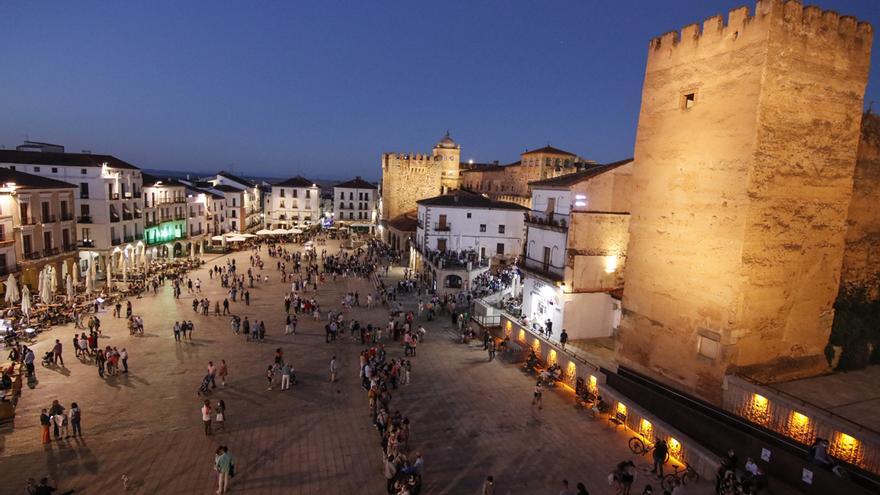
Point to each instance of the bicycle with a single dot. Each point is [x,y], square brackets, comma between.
[685,476]
[640,447]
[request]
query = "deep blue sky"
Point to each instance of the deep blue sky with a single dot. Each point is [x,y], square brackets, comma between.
[322,88]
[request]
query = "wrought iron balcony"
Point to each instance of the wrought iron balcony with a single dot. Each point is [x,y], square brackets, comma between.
[442,227]
[84,219]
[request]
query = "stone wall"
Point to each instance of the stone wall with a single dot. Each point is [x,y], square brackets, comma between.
[861,260]
[407,179]
[743,171]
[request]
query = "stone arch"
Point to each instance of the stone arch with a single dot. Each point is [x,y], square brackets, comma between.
[453,281]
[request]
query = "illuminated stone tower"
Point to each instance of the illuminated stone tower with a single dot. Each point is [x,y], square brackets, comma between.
[743,174]
[449,156]
[409,177]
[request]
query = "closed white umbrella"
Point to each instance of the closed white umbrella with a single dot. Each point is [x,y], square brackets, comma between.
[12,295]
[75,266]
[125,271]
[71,293]
[26,300]
[45,295]
[109,275]
[90,280]
[41,282]
[53,282]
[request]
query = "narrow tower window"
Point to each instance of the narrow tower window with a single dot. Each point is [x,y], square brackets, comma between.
[688,100]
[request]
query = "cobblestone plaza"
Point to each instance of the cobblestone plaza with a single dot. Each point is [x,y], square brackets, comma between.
[470,417]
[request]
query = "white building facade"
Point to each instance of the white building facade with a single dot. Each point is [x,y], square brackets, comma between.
[576,235]
[459,235]
[355,203]
[294,202]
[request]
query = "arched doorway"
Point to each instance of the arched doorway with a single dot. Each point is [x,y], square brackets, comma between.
[452,282]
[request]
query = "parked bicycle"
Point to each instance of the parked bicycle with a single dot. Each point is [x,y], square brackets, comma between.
[641,447]
[684,475]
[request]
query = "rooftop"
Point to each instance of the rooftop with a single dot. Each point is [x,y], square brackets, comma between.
[571,179]
[62,159]
[356,183]
[24,180]
[298,181]
[227,188]
[467,199]
[236,178]
[548,150]
[152,180]
[406,222]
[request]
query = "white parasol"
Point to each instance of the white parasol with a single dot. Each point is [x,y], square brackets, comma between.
[25,300]
[41,282]
[45,291]
[12,295]
[53,282]
[75,266]
[248,236]
[90,280]
[109,275]
[71,293]
[264,232]
[125,270]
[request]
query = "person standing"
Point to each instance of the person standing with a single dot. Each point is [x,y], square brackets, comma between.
[333,369]
[225,468]
[221,415]
[177,331]
[45,422]
[123,356]
[212,371]
[76,419]
[56,410]
[29,361]
[489,486]
[269,376]
[659,454]
[582,489]
[491,349]
[56,351]
[285,377]
[563,338]
[565,489]
[206,416]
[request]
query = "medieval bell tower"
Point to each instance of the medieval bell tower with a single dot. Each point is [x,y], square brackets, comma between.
[447,158]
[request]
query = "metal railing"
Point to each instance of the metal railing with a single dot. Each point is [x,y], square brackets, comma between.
[442,227]
[548,270]
[127,216]
[139,237]
[33,255]
[547,218]
[51,251]
[87,243]
[114,217]
[49,219]
[116,241]
[114,196]
[28,221]
[68,248]
[84,219]
[6,270]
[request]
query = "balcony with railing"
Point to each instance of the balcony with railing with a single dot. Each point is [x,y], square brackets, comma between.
[6,241]
[49,219]
[114,196]
[51,251]
[83,195]
[180,216]
[127,216]
[66,217]
[6,270]
[114,217]
[87,243]
[442,227]
[548,220]
[139,236]
[68,248]
[84,219]
[33,255]
[116,241]
[543,269]
[128,238]
[150,222]
[28,220]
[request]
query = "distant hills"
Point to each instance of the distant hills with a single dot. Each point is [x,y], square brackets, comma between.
[182,174]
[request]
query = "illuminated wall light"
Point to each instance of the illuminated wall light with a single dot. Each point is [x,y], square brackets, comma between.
[522,336]
[611,263]
[551,359]
[508,328]
[536,345]
[621,408]
[646,429]
[800,428]
[847,449]
[594,384]
[758,410]
[674,448]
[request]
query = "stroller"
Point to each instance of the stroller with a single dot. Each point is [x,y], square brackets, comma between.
[205,387]
[49,359]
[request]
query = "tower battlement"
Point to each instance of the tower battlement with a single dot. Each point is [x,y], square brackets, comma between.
[743,26]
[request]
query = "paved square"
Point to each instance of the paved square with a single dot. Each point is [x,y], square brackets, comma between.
[470,417]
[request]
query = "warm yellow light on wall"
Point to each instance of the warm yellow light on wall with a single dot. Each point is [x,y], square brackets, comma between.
[674,447]
[594,384]
[800,428]
[611,263]
[522,336]
[621,408]
[551,359]
[508,328]
[848,449]
[536,345]
[646,429]
[758,410]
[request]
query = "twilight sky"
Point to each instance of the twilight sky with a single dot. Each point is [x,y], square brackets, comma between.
[321,88]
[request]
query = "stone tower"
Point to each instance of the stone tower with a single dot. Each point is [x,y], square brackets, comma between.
[743,174]
[409,177]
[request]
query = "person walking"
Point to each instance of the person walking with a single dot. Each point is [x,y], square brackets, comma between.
[582,489]
[563,338]
[206,416]
[225,468]
[221,415]
[536,399]
[29,362]
[269,376]
[333,369]
[491,349]
[222,372]
[212,371]
[56,351]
